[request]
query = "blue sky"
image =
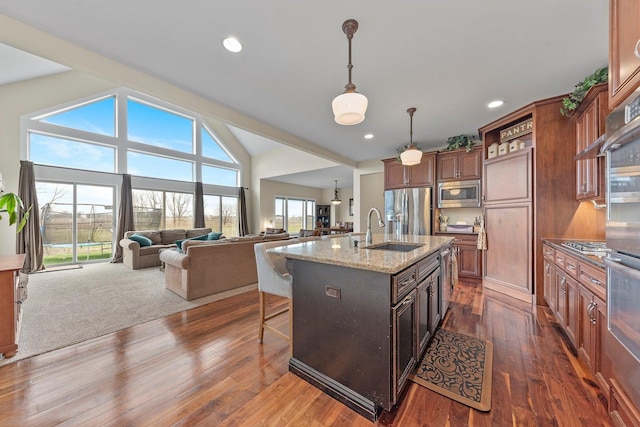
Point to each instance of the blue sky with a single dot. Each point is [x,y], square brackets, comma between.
[147,125]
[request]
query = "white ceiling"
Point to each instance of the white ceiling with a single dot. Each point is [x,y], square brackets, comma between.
[447,59]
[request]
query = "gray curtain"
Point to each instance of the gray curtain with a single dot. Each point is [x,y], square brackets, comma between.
[29,240]
[199,207]
[243,224]
[125,215]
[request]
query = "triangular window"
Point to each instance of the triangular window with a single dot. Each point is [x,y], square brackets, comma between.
[211,148]
[95,117]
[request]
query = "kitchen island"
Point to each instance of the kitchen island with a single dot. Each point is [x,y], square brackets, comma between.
[363,314]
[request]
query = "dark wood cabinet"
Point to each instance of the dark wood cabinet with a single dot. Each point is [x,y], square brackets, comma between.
[590,119]
[460,165]
[396,175]
[513,262]
[575,291]
[469,258]
[405,341]
[624,50]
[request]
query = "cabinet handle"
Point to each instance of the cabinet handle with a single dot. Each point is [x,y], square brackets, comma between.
[593,307]
[594,281]
[547,268]
[406,282]
[636,50]
[571,266]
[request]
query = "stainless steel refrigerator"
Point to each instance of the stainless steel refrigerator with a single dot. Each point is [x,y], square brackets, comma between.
[408,211]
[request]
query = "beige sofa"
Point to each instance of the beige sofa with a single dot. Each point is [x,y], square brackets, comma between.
[210,267]
[136,257]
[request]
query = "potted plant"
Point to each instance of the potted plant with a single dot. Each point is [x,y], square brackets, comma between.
[460,141]
[11,204]
[571,102]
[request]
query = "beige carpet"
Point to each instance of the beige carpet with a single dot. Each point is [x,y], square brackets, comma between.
[71,306]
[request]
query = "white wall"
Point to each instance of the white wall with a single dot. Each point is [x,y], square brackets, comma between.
[371,196]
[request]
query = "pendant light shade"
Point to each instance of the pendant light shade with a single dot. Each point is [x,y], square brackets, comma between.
[411,156]
[349,107]
[336,200]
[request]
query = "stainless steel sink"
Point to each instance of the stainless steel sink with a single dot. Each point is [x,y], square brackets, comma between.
[393,246]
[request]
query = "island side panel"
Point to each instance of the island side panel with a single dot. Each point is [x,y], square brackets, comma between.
[344,335]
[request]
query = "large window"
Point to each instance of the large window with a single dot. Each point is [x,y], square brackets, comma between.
[164,147]
[294,214]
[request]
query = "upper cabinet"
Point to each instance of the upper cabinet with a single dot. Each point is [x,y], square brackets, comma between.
[590,119]
[396,175]
[460,165]
[624,49]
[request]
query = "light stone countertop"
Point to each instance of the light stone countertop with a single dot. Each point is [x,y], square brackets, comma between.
[342,251]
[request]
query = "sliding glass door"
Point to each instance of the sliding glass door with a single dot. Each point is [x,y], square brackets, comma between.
[77,222]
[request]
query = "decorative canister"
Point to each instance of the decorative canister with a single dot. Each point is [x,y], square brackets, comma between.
[514,145]
[503,149]
[493,150]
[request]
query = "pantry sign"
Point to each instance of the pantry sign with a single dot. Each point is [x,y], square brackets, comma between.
[516,131]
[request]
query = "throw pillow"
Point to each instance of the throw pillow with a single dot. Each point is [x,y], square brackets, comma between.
[179,242]
[142,240]
[213,235]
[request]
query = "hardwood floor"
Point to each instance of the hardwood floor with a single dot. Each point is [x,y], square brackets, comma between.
[206,367]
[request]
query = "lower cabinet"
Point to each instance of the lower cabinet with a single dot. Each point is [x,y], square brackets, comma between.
[465,248]
[428,310]
[404,331]
[576,293]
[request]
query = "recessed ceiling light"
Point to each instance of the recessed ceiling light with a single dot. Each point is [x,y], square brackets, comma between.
[495,104]
[232,44]
[368,136]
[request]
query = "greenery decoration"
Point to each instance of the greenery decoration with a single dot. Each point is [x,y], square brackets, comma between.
[571,102]
[11,204]
[460,141]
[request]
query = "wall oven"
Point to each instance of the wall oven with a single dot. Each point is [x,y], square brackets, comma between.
[623,238]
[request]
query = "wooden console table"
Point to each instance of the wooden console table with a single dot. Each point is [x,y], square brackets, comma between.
[10,265]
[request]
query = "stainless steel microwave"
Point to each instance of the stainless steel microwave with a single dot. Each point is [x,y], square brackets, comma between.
[459,194]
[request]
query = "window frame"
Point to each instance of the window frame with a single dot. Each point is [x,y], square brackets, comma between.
[285,208]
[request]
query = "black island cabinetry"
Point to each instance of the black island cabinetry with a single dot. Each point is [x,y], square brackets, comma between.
[357,333]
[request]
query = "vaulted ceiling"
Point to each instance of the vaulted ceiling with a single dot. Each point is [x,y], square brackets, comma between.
[446,58]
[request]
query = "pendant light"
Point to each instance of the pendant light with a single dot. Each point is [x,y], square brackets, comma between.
[336,200]
[411,156]
[350,106]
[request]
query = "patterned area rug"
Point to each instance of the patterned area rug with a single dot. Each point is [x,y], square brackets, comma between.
[459,367]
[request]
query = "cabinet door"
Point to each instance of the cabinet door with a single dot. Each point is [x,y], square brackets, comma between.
[603,363]
[469,260]
[447,166]
[586,338]
[624,35]
[572,309]
[587,131]
[507,180]
[550,290]
[423,319]
[434,302]
[423,174]
[470,164]
[405,342]
[561,300]
[508,260]
[395,175]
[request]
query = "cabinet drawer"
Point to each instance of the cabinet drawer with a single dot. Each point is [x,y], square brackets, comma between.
[571,266]
[427,266]
[593,279]
[549,253]
[560,259]
[403,283]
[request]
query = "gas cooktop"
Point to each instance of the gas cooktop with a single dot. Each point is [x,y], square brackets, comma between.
[587,248]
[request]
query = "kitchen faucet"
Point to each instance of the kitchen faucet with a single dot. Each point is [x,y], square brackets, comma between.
[369,238]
